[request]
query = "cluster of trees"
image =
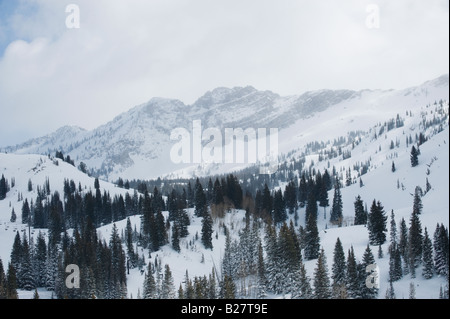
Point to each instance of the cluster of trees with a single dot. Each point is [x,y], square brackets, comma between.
[43,264]
[412,249]
[4,187]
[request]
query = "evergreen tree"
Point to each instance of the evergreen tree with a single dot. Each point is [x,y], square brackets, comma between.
[200,200]
[338,269]
[368,260]
[175,239]
[207,224]
[25,212]
[403,245]
[149,284]
[336,208]
[390,293]
[302,191]
[360,213]
[427,257]
[393,230]
[311,207]
[412,291]
[415,238]
[279,210]
[11,283]
[2,281]
[26,269]
[414,157]
[290,197]
[13,216]
[3,188]
[441,250]
[377,224]
[322,289]
[40,261]
[262,280]
[353,285]
[168,288]
[228,288]
[16,254]
[312,239]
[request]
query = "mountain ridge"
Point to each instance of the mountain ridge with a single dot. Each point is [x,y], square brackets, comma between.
[138,140]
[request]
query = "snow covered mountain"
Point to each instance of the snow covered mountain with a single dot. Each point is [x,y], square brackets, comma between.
[137,144]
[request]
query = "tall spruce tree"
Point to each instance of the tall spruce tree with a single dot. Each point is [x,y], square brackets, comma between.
[427,257]
[441,250]
[414,157]
[336,216]
[207,231]
[338,270]
[312,239]
[377,224]
[353,285]
[369,260]
[322,288]
[360,213]
[415,238]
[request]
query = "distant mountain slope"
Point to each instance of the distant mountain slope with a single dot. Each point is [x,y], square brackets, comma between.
[136,144]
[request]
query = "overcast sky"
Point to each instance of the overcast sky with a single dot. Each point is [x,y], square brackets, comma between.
[128,51]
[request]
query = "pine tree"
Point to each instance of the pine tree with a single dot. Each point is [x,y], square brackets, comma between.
[175,239]
[377,224]
[322,289]
[393,230]
[336,208]
[412,291]
[25,212]
[228,288]
[40,260]
[390,293]
[403,245]
[13,216]
[26,271]
[312,239]
[3,188]
[414,157]
[353,285]
[302,191]
[11,283]
[2,281]
[338,269]
[149,284]
[279,210]
[427,257]
[369,260]
[441,250]
[168,288]
[262,280]
[415,238]
[207,231]
[200,200]
[360,213]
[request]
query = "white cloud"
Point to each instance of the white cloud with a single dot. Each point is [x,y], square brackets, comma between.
[129,51]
